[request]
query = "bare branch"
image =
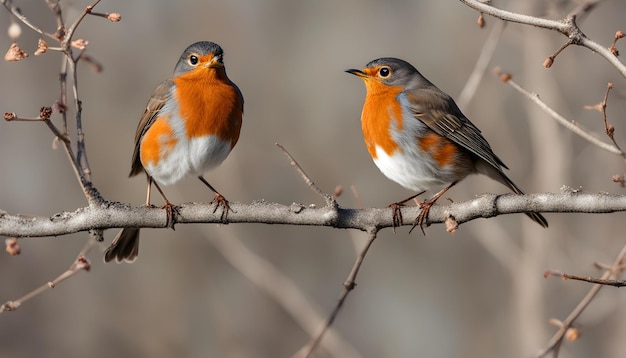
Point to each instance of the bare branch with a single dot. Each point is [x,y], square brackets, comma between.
[330,201]
[80,264]
[555,342]
[79,19]
[16,12]
[600,281]
[572,126]
[108,215]
[566,26]
[348,286]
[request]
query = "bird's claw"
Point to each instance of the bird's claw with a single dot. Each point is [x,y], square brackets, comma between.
[220,201]
[172,212]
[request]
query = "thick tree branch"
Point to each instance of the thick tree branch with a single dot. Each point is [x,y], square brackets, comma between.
[114,215]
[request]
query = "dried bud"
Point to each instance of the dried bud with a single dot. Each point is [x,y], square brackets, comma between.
[610,130]
[42,47]
[12,247]
[619,34]
[15,53]
[114,17]
[10,306]
[60,34]
[338,191]
[14,31]
[572,334]
[80,44]
[82,264]
[505,77]
[45,112]
[481,21]
[9,116]
[451,224]
[614,51]
[619,179]
[548,62]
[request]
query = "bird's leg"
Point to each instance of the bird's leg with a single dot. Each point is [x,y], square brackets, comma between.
[425,206]
[148,191]
[170,208]
[219,200]
[396,211]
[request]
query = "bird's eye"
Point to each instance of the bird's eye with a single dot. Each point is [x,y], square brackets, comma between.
[384,72]
[193,60]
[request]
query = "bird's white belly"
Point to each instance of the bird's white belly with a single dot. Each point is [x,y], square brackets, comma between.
[411,170]
[185,156]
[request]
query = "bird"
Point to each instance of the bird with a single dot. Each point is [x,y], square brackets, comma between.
[191,123]
[419,138]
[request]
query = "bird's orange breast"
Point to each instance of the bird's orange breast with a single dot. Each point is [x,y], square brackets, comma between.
[381,111]
[209,104]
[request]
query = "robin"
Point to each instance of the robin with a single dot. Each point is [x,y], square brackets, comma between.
[419,138]
[191,123]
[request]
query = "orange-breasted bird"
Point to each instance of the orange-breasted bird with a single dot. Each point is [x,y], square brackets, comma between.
[418,136]
[191,123]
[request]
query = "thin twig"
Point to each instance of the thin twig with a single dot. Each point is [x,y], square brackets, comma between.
[44,116]
[555,342]
[608,128]
[550,60]
[566,276]
[55,7]
[348,286]
[70,31]
[330,201]
[81,263]
[574,127]
[16,12]
[81,152]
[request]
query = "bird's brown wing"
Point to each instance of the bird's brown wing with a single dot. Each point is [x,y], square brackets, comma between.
[439,112]
[156,102]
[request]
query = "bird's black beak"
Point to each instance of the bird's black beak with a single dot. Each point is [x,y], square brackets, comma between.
[357,72]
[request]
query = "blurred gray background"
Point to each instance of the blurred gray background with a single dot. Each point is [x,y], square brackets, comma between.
[478,293]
